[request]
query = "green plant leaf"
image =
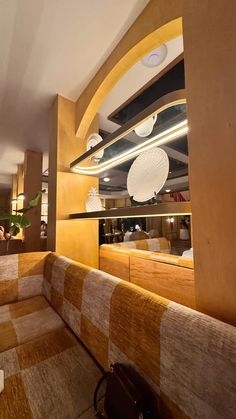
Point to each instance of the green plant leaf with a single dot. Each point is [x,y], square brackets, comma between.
[14,219]
[14,230]
[19,220]
[24,222]
[36,199]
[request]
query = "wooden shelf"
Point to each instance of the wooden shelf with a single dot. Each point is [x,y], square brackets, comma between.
[156,210]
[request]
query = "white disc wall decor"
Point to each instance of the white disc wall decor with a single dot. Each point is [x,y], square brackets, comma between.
[148,174]
[93,140]
[145,128]
[93,202]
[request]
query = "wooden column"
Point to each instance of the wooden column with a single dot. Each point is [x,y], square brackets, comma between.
[210,62]
[13,194]
[20,190]
[68,191]
[32,185]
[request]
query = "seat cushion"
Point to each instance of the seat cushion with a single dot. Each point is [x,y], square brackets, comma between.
[25,320]
[52,376]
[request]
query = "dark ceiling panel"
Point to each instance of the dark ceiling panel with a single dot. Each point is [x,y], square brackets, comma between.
[172,80]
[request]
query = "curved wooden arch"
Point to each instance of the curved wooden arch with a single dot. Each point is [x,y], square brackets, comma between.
[159,23]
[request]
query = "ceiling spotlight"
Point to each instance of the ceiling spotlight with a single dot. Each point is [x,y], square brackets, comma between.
[168,190]
[155,57]
[106,179]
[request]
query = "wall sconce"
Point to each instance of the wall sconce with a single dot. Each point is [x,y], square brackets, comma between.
[172,220]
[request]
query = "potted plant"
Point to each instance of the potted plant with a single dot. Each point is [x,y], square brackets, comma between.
[20,220]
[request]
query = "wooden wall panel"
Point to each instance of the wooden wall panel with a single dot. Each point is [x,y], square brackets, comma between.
[32,185]
[114,263]
[68,191]
[210,62]
[78,240]
[172,282]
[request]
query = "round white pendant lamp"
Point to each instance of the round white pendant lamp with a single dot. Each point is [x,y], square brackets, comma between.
[145,128]
[93,140]
[148,174]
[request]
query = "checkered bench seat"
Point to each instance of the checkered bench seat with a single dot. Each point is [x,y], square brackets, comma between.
[187,357]
[25,320]
[51,376]
[48,373]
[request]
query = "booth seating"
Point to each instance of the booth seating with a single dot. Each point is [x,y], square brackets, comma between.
[62,322]
[160,244]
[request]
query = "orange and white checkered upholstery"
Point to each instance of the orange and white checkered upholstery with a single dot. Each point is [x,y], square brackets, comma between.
[187,357]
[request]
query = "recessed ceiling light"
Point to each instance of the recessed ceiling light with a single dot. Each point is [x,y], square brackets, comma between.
[155,57]
[106,179]
[168,190]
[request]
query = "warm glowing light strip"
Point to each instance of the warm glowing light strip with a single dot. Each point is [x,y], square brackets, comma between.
[132,216]
[170,134]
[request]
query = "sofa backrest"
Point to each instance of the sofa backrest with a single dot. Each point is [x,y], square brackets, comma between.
[21,276]
[187,357]
[160,244]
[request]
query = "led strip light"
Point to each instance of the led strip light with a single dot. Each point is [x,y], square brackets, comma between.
[170,134]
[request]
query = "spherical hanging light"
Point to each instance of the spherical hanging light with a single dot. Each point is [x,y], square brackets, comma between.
[145,128]
[148,174]
[93,140]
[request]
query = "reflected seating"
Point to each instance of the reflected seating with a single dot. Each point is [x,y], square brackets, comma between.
[143,263]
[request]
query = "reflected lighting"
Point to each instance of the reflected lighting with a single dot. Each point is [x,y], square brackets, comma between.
[170,134]
[130,216]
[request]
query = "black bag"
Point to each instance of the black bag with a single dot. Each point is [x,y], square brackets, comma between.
[124,399]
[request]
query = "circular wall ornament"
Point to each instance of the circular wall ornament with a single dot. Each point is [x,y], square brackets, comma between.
[148,174]
[93,202]
[155,57]
[93,140]
[145,128]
